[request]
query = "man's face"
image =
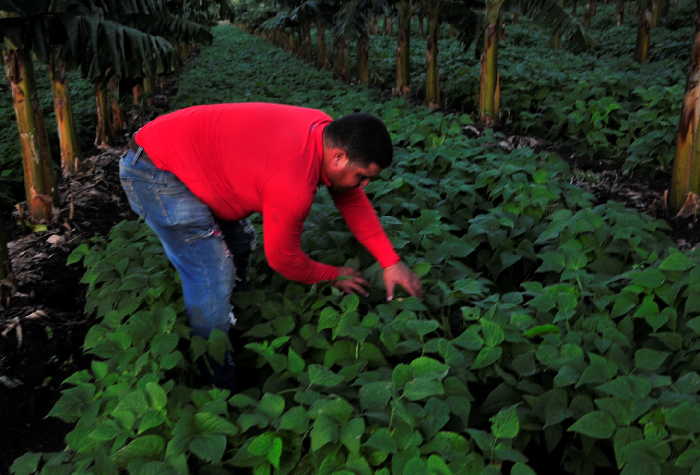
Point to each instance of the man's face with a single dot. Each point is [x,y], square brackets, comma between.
[345,175]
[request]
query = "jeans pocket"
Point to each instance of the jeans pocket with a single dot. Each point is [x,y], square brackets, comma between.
[132,196]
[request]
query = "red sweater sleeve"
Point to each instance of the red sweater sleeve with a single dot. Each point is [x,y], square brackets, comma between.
[364,224]
[283,214]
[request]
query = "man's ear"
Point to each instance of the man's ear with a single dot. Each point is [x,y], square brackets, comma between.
[340,158]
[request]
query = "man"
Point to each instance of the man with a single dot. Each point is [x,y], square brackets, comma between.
[195,171]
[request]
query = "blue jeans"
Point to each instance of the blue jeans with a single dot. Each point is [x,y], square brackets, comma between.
[192,238]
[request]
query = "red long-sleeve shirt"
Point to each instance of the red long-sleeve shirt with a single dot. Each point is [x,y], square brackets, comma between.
[259,157]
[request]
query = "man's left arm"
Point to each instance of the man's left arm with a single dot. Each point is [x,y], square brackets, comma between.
[361,218]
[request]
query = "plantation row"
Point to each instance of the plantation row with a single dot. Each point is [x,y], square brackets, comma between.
[600,101]
[555,335]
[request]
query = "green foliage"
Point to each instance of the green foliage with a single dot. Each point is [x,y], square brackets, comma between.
[553,332]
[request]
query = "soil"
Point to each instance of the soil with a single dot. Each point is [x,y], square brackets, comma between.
[43,327]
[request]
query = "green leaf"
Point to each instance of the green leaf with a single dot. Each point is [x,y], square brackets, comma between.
[470,339]
[421,269]
[218,344]
[324,431]
[505,424]
[351,434]
[295,363]
[422,388]
[147,446]
[493,333]
[686,417]
[382,440]
[208,423]
[72,403]
[26,464]
[261,444]
[596,424]
[376,395]
[328,319]
[350,303]
[275,454]
[209,447]
[295,420]
[676,261]
[157,396]
[426,367]
[323,376]
[486,357]
[632,388]
[522,469]
[272,405]
[437,466]
[649,360]
[541,330]
[650,278]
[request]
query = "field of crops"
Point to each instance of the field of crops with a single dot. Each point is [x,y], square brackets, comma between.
[556,335]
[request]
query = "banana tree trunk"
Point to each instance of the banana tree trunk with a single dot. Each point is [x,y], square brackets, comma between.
[620,12]
[340,60]
[685,182]
[403,49]
[590,12]
[148,89]
[322,49]
[67,137]
[433,98]
[5,263]
[644,32]
[104,126]
[36,155]
[137,94]
[363,58]
[657,8]
[115,106]
[306,40]
[490,83]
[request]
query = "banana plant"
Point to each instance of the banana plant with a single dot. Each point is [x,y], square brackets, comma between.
[352,22]
[18,37]
[685,183]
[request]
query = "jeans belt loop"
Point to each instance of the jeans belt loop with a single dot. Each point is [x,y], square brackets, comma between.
[138,154]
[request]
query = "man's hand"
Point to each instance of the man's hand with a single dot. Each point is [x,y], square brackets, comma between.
[402,275]
[351,281]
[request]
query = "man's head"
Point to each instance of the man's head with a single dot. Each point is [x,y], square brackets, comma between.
[356,147]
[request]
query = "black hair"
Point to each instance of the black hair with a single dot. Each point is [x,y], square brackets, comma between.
[363,137]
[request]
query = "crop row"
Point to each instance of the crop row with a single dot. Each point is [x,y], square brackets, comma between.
[555,334]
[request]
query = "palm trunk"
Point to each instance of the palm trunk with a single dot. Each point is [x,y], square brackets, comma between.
[432,77]
[67,137]
[490,87]
[363,58]
[685,183]
[644,32]
[403,65]
[322,49]
[36,155]
[104,131]
[115,106]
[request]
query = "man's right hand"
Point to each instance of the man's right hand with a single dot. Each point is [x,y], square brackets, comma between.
[351,281]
